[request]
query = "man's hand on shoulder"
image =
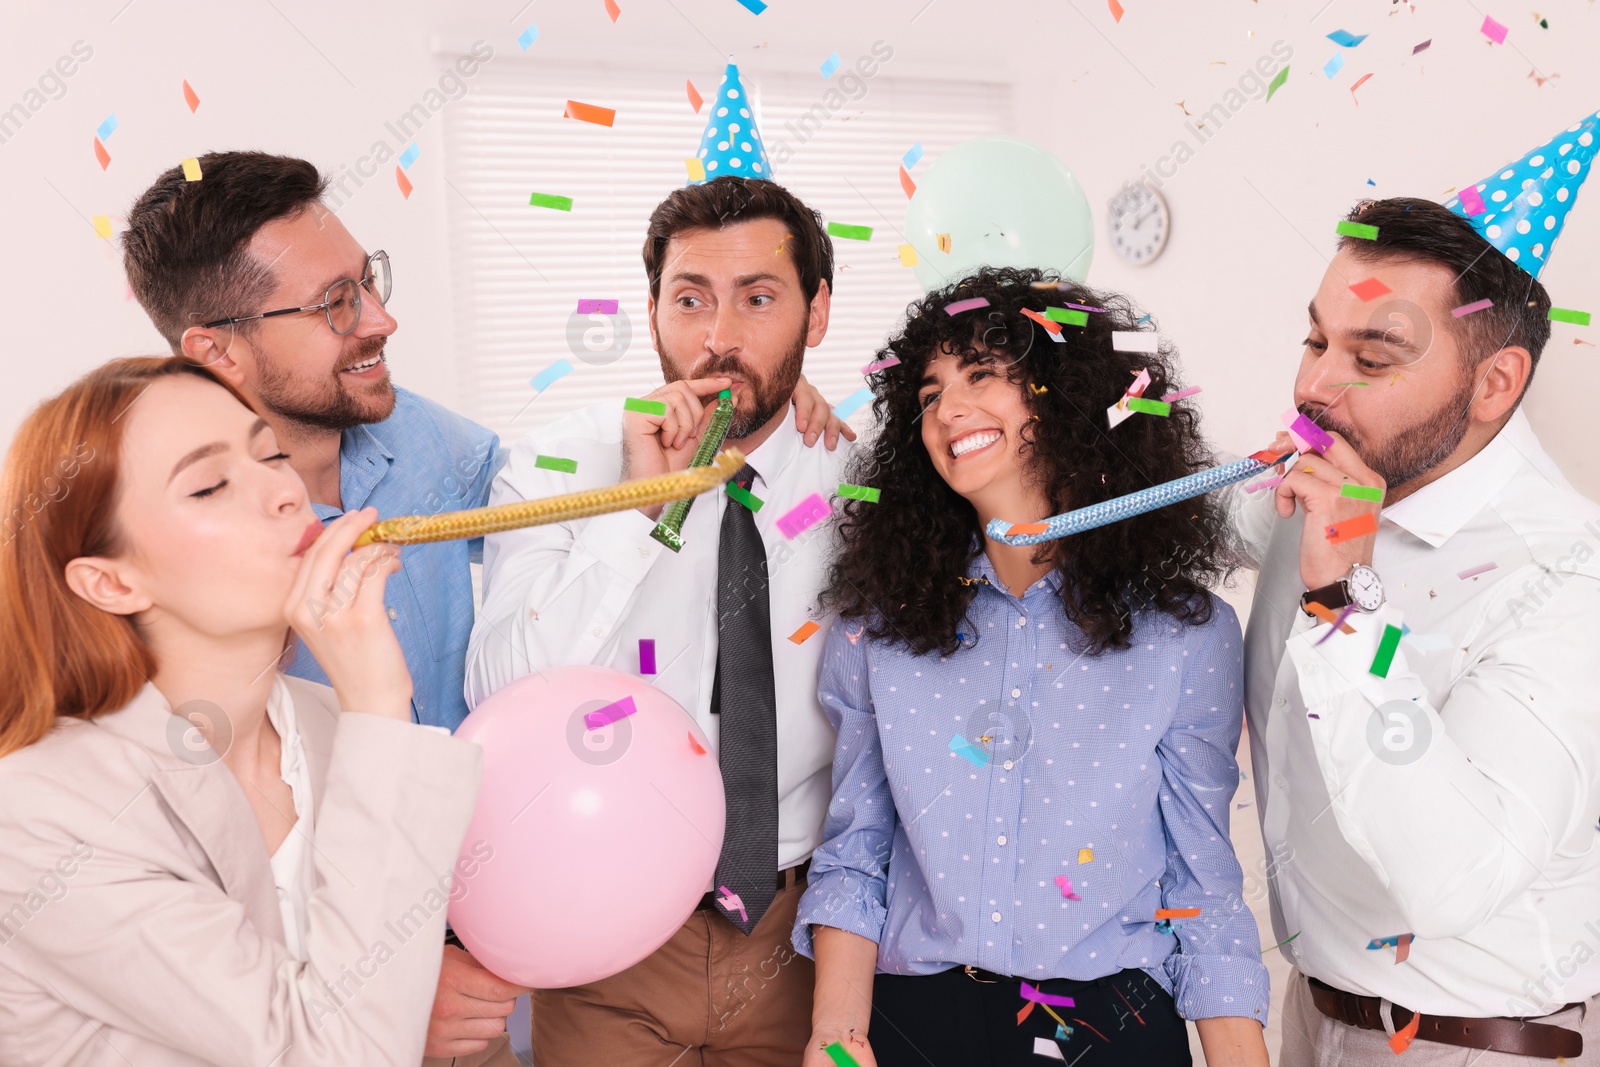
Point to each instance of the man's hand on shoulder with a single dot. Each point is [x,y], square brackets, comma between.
[814,417]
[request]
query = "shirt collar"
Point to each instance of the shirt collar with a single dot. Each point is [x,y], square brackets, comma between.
[980,567]
[1439,509]
[363,461]
[772,456]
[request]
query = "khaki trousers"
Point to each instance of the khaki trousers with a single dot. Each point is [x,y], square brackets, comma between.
[498,1054]
[1311,1039]
[709,997]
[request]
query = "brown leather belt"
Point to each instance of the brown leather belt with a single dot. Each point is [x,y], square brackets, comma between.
[1519,1037]
[786,880]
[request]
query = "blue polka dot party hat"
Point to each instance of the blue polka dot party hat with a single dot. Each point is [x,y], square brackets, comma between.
[731,143]
[1521,208]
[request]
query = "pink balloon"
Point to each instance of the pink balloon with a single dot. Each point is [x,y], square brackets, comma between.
[588,848]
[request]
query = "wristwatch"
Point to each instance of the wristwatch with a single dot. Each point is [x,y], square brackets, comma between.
[1361,587]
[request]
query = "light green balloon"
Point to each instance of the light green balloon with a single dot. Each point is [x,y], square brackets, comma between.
[1005,202]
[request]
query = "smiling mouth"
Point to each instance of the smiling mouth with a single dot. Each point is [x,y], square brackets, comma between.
[973,441]
[358,368]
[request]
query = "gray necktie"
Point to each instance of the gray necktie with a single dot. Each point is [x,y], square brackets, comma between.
[747,746]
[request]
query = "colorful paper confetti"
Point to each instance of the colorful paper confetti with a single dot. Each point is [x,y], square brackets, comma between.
[191,170]
[1277,83]
[956,307]
[1472,201]
[102,225]
[695,99]
[556,463]
[190,97]
[1345,38]
[1038,996]
[1307,435]
[1362,492]
[913,154]
[1068,316]
[1387,644]
[599,116]
[1149,407]
[645,407]
[852,233]
[1065,885]
[1493,30]
[1334,65]
[1350,529]
[968,751]
[101,154]
[835,1051]
[696,169]
[1369,289]
[1346,228]
[1577,318]
[403,182]
[1482,568]
[907,186]
[804,515]
[107,128]
[908,255]
[695,746]
[1135,341]
[830,65]
[1422,47]
[551,374]
[882,364]
[859,492]
[621,709]
[744,496]
[549,200]
[944,241]
[527,36]
[1476,305]
[409,156]
[597,307]
[1116,10]
[807,628]
[1185,394]
[1177,913]
[1085,855]
[755,7]
[647,657]
[852,403]
[613,10]
[1359,82]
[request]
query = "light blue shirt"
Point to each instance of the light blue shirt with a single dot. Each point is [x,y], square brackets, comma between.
[1113,771]
[421,460]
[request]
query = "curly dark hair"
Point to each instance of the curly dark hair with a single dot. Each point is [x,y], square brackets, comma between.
[899,559]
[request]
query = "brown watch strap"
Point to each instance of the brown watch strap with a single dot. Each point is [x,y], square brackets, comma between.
[1332,596]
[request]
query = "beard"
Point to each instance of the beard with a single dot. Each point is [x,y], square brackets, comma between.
[1413,450]
[325,406]
[766,394]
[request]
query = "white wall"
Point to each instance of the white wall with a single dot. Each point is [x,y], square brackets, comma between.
[1253,211]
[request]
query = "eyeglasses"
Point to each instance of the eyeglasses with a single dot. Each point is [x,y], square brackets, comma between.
[341,303]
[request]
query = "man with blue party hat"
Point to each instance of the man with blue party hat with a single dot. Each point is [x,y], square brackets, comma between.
[1422,684]
[740,276]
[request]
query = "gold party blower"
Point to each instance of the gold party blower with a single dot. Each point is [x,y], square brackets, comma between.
[475,522]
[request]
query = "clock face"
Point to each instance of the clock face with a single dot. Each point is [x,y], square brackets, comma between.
[1365,588]
[1139,223]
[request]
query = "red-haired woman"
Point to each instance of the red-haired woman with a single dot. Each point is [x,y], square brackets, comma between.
[203,861]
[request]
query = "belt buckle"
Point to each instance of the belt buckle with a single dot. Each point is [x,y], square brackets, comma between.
[972,973]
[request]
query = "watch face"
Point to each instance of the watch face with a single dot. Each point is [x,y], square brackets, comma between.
[1366,589]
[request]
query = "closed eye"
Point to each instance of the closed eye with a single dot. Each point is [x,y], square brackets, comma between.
[201,494]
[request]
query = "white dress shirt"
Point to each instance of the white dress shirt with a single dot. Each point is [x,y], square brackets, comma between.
[587,592]
[1465,814]
[292,872]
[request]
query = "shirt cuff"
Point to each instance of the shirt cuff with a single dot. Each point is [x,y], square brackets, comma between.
[827,902]
[1209,987]
[621,540]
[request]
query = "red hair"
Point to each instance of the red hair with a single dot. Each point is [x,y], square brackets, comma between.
[59,654]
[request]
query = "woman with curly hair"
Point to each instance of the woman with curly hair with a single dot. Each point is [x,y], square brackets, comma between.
[1036,744]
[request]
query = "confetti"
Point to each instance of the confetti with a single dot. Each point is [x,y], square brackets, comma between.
[1177,913]
[559,203]
[944,241]
[804,515]
[613,10]
[745,497]
[696,169]
[755,7]
[1362,492]
[801,635]
[1402,1038]
[1149,407]
[1577,318]
[695,99]
[403,182]
[1256,487]
[908,255]
[1043,1046]
[1339,625]
[1307,435]
[1472,201]
[1085,855]
[647,659]
[1277,83]
[190,97]
[1065,885]
[1052,328]
[1174,397]
[1481,568]
[556,463]
[968,751]
[527,36]
[1280,944]
[1476,305]
[853,233]
[1346,228]
[1387,645]
[696,746]
[882,364]
[551,374]
[956,307]
[859,492]
[645,407]
[1358,84]
[1027,1009]
[906,183]
[191,170]
[1069,316]
[1382,942]
[107,128]
[1116,10]
[1422,47]
[1346,38]
[102,225]
[621,709]
[852,403]
[1055,1000]
[730,900]
[841,1058]
[1019,528]
[600,116]
[1134,341]
[1350,529]
[1334,65]
[1493,30]
[1402,950]
[597,307]
[913,154]
[1370,289]
[830,65]
[101,154]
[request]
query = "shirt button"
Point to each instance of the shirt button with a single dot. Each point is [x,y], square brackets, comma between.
[1016,692]
[392,614]
[1022,621]
[995,916]
[644,552]
[1007,766]
[1280,701]
[1000,840]
[596,631]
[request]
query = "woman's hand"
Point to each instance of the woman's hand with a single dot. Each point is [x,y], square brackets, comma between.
[336,608]
[813,416]
[854,1042]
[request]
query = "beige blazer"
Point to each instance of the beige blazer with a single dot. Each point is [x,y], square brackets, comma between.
[139,923]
